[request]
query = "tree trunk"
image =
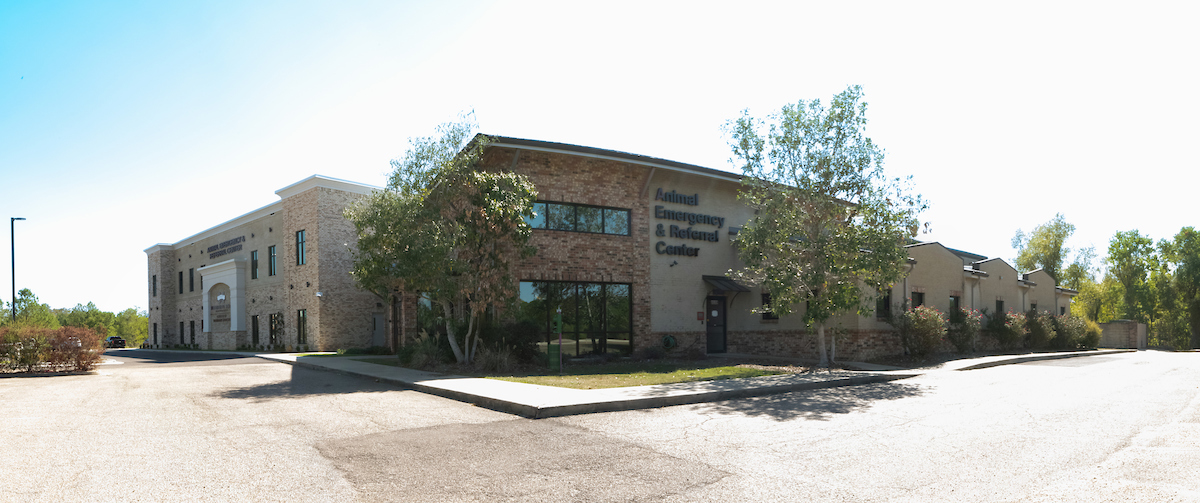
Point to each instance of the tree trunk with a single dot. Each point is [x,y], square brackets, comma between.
[449,317]
[471,332]
[833,347]
[824,361]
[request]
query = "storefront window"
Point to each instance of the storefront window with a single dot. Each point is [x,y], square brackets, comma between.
[596,316]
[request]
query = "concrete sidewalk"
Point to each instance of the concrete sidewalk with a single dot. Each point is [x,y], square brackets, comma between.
[534,401]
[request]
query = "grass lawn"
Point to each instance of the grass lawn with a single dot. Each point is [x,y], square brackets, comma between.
[620,374]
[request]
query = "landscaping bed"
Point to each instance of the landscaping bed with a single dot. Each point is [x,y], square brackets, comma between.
[622,373]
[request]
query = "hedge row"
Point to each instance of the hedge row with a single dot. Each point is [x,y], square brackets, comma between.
[36,349]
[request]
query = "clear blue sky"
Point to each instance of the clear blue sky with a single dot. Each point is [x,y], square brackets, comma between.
[126,124]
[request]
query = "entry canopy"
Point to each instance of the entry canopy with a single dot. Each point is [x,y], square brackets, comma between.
[724,283]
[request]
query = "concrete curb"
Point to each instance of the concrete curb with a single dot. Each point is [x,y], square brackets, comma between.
[1044,356]
[703,397]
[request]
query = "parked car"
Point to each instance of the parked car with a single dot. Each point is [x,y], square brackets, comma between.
[115,342]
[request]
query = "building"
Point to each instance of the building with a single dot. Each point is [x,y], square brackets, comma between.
[634,250]
[275,277]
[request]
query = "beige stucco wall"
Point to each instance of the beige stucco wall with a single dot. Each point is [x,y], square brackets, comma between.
[677,290]
[937,273]
[1001,284]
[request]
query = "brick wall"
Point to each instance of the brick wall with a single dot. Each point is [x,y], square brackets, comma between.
[345,310]
[161,310]
[575,256]
[852,345]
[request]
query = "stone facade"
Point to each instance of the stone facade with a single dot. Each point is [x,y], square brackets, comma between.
[229,296]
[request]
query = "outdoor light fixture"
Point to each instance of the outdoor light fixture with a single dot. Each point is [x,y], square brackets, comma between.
[318,294]
[12,238]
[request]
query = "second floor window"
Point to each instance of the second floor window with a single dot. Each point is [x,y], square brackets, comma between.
[579,218]
[271,270]
[300,248]
[254,264]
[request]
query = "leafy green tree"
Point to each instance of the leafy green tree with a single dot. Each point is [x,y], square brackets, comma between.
[446,228]
[828,225]
[1043,247]
[133,326]
[1129,260]
[89,316]
[31,313]
[1081,270]
[1183,255]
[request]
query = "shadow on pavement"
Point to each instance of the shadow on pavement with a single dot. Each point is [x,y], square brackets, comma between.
[169,356]
[307,382]
[819,404]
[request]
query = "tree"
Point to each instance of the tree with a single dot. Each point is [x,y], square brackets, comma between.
[1043,247]
[1183,255]
[133,326]
[1081,270]
[89,316]
[1129,256]
[446,228]
[31,313]
[827,222]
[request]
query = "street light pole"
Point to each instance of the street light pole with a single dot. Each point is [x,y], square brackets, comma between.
[12,235]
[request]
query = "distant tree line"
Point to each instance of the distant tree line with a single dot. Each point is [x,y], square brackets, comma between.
[1157,283]
[130,324]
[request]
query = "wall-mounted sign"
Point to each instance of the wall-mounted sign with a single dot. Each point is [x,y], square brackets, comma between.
[676,232]
[672,197]
[226,247]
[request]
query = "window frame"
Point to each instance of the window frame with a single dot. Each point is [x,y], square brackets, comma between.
[272,262]
[581,333]
[301,257]
[253,264]
[768,315]
[545,222]
[301,326]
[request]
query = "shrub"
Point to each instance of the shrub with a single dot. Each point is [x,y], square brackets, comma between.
[31,349]
[1073,333]
[1091,335]
[649,353]
[519,339]
[921,330]
[962,328]
[493,360]
[423,352]
[1040,328]
[1008,329]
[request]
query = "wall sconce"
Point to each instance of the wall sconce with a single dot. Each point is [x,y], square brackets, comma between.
[318,294]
